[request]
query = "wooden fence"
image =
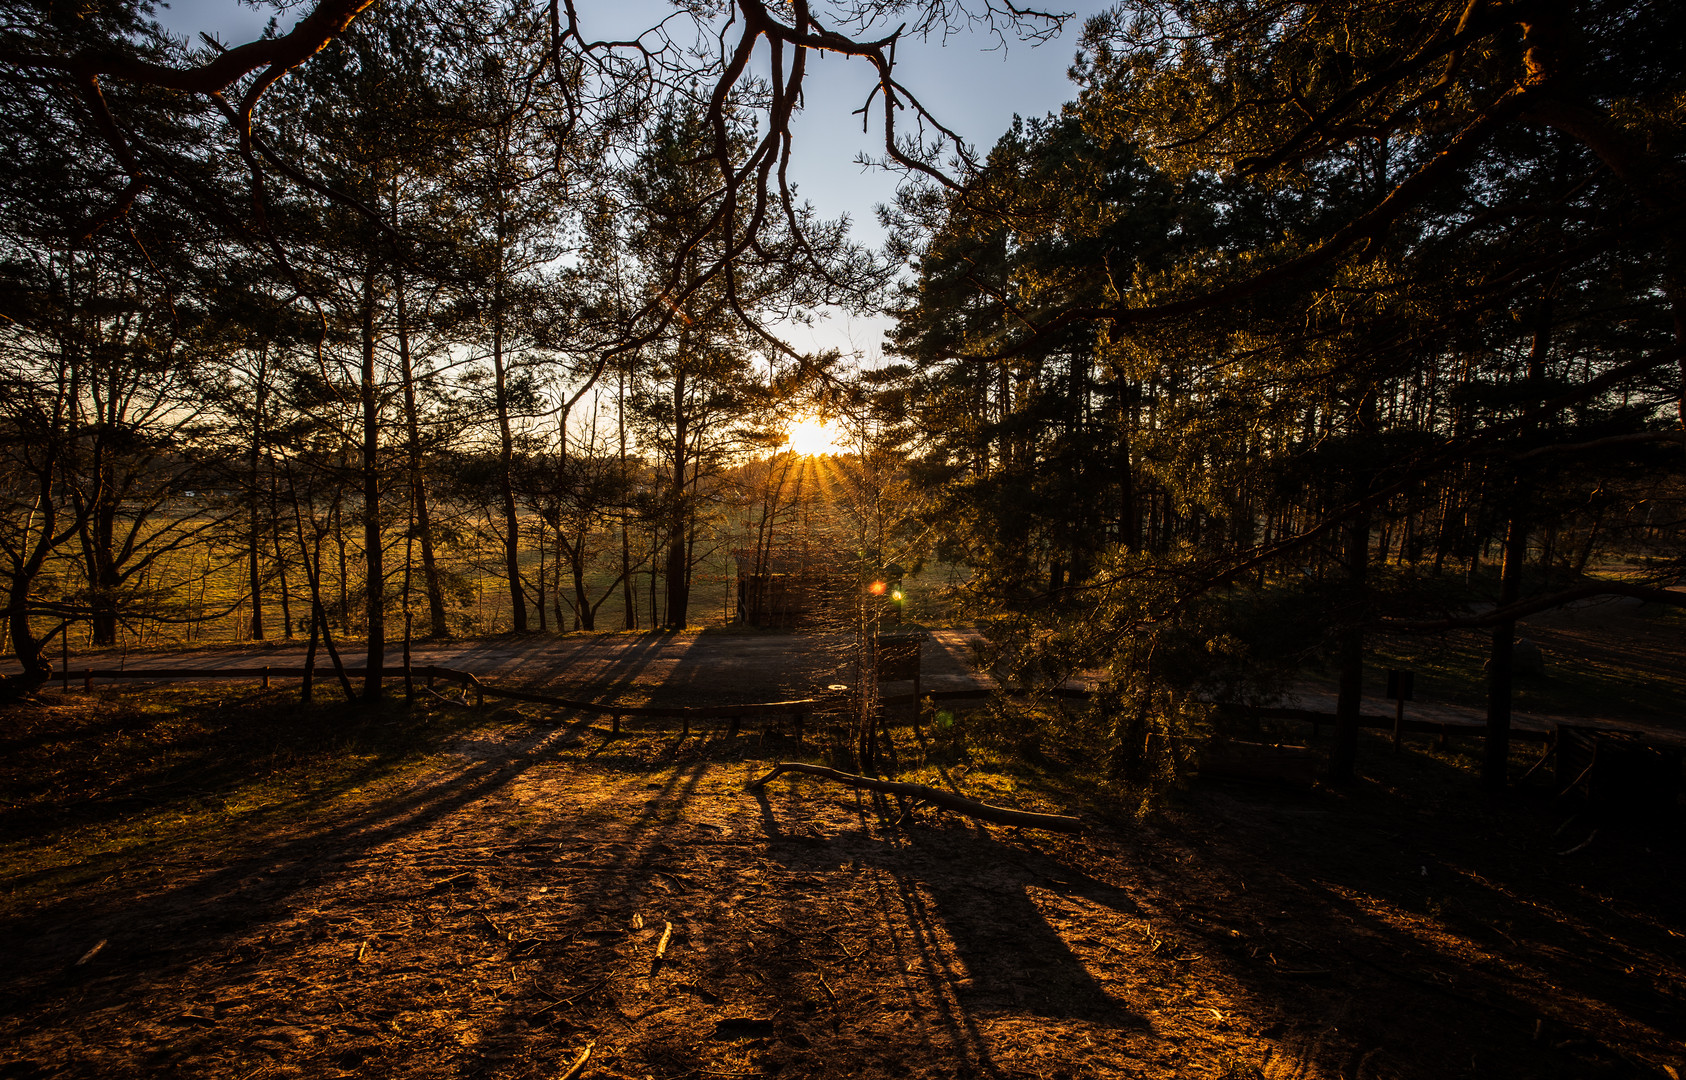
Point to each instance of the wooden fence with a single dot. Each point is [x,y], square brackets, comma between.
[800,708]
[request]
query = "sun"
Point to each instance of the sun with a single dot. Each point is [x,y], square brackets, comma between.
[813,437]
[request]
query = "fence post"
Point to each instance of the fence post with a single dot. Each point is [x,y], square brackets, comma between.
[615,724]
[266,676]
[87,680]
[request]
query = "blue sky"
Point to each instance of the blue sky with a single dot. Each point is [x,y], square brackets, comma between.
[971,82]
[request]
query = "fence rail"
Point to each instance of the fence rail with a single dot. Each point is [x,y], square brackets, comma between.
[798,707]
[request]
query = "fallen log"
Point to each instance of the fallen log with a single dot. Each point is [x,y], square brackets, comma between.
[1000,815]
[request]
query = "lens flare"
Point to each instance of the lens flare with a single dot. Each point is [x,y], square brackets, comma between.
[812,437]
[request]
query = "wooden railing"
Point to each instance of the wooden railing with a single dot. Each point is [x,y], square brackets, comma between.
[799,707]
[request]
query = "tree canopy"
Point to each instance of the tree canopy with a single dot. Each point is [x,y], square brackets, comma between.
[1303,322]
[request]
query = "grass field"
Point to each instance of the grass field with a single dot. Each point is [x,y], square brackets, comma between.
[201,595]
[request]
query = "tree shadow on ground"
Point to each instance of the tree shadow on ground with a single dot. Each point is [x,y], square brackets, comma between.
[968,916]
[1410,925]
[185,907]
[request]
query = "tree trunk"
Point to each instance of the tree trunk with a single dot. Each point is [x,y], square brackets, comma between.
[254,519]
[1495,755]
[583,609]
[629,600]
[423,528]
[280,556]
[374,585]
[506,439]
[29,649]
[1343,755]
[677,537]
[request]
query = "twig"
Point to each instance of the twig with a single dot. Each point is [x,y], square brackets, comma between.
[661,948]
[1583,845]
[502,934]
[1000,815]
[559,1002]
[579,1062]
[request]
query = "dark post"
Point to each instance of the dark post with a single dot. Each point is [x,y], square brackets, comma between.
[409,675]
[1399,687]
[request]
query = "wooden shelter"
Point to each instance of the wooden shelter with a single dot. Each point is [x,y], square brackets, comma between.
[788,589]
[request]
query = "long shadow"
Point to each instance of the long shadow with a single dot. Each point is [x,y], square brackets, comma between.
[1370,933]
[201,915]
[500,652]
[642,868]
[728,667]
[1435,934]
[965,935]
[613,676]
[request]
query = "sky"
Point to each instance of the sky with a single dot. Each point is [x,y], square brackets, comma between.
[972,82]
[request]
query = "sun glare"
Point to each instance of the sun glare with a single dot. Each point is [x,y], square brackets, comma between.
[811,436]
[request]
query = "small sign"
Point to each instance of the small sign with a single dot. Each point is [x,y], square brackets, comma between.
[1400,685]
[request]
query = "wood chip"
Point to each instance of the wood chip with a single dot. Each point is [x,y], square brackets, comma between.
[661,948]
[579,1063]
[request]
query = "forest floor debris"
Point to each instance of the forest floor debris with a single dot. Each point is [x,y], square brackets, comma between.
[494,900]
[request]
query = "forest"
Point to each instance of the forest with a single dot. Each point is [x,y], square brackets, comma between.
[1309,344]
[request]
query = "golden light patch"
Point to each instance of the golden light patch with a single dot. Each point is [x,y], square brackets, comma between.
[812,437]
